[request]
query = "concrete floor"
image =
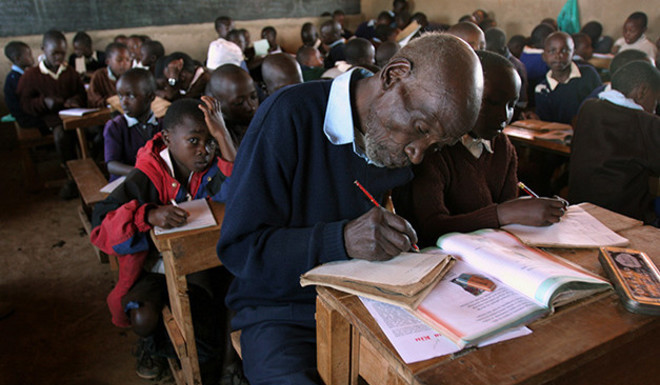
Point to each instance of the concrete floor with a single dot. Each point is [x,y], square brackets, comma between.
[60,331]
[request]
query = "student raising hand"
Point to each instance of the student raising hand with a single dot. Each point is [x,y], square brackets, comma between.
[531,211]
[218,128]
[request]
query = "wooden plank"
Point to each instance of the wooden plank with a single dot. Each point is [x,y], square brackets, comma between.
[333,334]
[526,137]
[89,179]
[79,123]
[614,221]
[375,369]
[174,332]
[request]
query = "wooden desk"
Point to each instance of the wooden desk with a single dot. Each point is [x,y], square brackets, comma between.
[527,137]
[186,253]
[594,341]
[89,179]
[79,123]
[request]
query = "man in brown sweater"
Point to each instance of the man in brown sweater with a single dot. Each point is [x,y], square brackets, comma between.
[104,81]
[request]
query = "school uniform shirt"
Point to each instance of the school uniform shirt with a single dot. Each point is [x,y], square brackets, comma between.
[614,151]
[459,188]
[39,82]
[221,52]
[87,64]
[102,86]
[642,44]
[123,136]
[560,102]
[13,102]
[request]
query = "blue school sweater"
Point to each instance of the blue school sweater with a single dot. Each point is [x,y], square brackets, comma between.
[290,195]
[13,102]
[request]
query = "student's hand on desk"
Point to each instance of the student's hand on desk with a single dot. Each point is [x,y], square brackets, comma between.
[378,235]
[167,216]
[72,103]
[531,211]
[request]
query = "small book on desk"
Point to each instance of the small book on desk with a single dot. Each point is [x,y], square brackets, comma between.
[529,283]
[77,111]
[558,136]
[540,125]
[199,217]
[403,280]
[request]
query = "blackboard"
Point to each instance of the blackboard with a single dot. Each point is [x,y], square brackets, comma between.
[30,17]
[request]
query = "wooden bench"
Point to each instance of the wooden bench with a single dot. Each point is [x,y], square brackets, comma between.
[28,139]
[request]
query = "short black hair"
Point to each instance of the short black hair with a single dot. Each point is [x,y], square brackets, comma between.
[13,50]
[625,57]
[112,48]
[154,47]
[142,38]
[222,20]
[580,39]
[52,35]
[188,63]
[304,53]
[634,74]
[81,37]
[594,29]
[338,12]
[540,33]
[143,77]
[356,49]
[490,60]
[181,109]
[383,32]
[269,28]
[496,40]
[386,16]
[641,17]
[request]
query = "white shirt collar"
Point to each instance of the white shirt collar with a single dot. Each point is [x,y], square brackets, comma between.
[18,69]
[575,73]
[55,75]
[532,50]
[165,155]
[616,97]
[476,147]
[131,121]
[337,42]
[111,75]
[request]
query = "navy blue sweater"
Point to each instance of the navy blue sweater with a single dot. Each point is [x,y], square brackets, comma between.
[14,104]
[289,197]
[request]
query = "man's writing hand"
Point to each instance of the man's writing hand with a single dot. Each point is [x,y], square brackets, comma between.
[378,235]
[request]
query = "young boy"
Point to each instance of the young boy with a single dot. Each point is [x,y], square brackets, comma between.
[134,44]
[104,81]
[150,52]
[178,164]
[84,59]
[472,184]
[280,70]
[270,33]
[21,58]
[222,51]
[634,37]
[615,146]
[311,63]
[125,134]
[331,38]
[559,95]
[584,50]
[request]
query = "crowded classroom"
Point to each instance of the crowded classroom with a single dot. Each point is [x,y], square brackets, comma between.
[169,185]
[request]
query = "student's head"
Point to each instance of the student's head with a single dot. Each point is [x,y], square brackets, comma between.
[480,15]
[385,33]
[496,41]
[184,65]
[330,32]
[625,57]
[594,29]
[420,18]
[558,51]
[487,24]
[639,81]
[551,22]
[468,19]
[385,18]
[339,16]
[236,36]
[385,51]
[399,6]
[469,33]
[516,45]
[402,19]
[360,52]
[54,46]
[583,46]
[123,39]
[279,70]
[117,58]
[428,95]
[136,90]
[150,52]
[308,34]
[634,27]
[246,36]
[269,33]
[539,34]
[82,45]
[223,25]
[187,137]
[234,88]
[309,56]
[501,90]
[135,45]
[19,54]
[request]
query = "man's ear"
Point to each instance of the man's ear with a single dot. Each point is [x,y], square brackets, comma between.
[394,71]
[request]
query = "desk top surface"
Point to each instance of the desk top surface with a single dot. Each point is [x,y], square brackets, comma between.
[91,119]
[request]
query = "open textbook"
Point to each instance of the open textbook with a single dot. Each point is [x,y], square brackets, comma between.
[529,284]
[403,280]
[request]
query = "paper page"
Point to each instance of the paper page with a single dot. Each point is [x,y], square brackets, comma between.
[261,47]
[414,340]
[77,111]
[200,216]
[110,187]
[577,228]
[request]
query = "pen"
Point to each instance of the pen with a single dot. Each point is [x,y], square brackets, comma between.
[177,205]
[526,189]
[375,202]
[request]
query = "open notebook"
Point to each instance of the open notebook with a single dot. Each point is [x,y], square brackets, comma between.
[200,216]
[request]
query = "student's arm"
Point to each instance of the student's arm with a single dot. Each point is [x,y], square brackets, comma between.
[94,98]
[217,128]
[79,95]
[32,101]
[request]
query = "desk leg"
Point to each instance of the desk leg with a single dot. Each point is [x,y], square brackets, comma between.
[82,141]
[333,344]
[177,289]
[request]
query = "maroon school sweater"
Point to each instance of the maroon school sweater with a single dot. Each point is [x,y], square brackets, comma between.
[454,191]
[101,87]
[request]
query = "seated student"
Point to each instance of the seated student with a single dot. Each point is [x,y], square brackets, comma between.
[615,146]
[311,63]
[125,134]
[496,42]
[280,70]
[559,96]
[123,39]
[473,184]
[182,155]
[222,51]
[583,49]
[48,88]
[421,19]
[104,81]
[634,37]
[270,34]
[331,38]
[516,45]
[339,16]
[150,52]
[532,58]
[469,33]
[620,60]
[21,59]
[237,37]
[358,52]
[134,44]
[186,78]
[84,59]
[385,51]
[401,20]
[601,44]
[367,29]
[310,36]
[235,90]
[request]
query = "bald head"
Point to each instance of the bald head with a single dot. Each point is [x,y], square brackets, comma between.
[360,52]
[279,70]
[385,51]
[470,33]
[234,88]
[330,32]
